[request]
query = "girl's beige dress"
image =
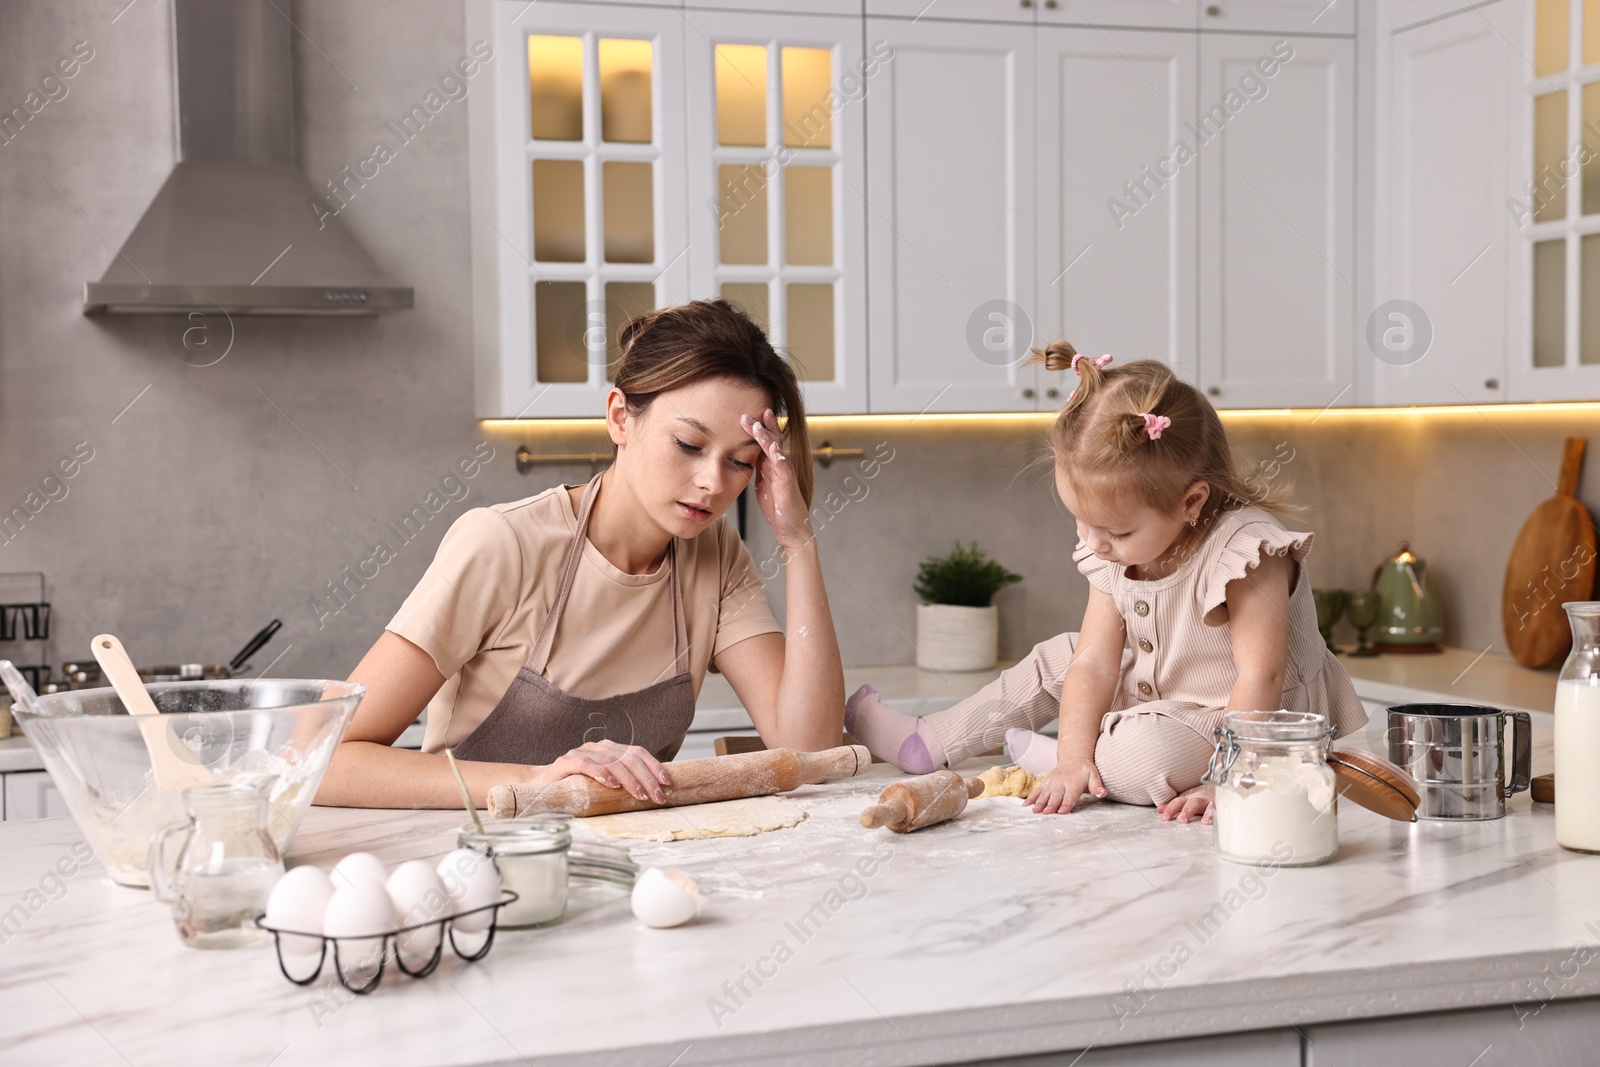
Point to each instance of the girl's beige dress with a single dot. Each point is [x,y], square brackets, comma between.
[1177,671]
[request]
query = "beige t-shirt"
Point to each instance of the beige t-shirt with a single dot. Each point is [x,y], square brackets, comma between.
[479,607]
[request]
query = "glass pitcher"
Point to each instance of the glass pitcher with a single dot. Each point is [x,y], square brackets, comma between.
[218,880]
[1578,733]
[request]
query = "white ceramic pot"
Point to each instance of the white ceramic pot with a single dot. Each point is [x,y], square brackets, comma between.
[955,638]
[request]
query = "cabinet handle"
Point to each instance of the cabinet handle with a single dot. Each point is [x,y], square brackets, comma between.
[1491,383]
[1051,4]
[1053,393]
[1213,10]
[1214,391]
[1027,3]
[1027,394]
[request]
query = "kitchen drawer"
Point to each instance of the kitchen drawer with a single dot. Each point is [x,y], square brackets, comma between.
[1535,1033]
[1268,1048]
[32,795]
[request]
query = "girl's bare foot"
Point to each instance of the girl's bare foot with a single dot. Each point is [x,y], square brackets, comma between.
[1190,804]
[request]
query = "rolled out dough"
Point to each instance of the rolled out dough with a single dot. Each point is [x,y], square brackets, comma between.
[722,818]
[1007,782]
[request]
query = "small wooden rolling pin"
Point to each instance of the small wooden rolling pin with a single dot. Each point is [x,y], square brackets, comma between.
[694,781]
[907,806]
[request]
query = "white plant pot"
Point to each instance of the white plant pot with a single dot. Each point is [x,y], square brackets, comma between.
[955,638]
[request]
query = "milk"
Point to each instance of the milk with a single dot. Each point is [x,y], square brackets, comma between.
[1578,765]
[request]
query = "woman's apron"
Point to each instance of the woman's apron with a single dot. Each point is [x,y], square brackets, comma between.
[537,723]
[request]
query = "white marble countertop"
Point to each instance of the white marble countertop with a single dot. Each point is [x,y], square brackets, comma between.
[1459,675]
[1001,933]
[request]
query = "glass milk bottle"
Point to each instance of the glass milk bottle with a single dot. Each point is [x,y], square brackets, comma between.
[1578,733]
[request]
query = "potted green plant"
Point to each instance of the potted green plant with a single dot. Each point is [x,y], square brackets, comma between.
[958,626]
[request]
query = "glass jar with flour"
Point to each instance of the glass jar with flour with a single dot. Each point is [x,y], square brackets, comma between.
[532,857]
[1275,790]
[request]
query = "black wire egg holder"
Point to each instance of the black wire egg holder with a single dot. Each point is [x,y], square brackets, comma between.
[446,925]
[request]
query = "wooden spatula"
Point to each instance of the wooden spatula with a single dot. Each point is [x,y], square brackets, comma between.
[172,771]
[1553,561]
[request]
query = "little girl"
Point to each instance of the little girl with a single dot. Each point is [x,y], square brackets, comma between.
[1199,604]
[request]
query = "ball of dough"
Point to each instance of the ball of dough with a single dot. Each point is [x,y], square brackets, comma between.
[1007,782]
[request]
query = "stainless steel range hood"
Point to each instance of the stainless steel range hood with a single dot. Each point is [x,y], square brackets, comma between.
[237,226]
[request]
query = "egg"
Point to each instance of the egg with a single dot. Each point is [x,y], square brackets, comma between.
[357,867]
[665,898]
[297,902]
[473,881]
[419,896]
[359,914]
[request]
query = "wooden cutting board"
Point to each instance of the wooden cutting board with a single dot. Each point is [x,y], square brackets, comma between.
[1552,562]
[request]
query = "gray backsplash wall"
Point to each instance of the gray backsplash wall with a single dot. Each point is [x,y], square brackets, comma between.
[226,495]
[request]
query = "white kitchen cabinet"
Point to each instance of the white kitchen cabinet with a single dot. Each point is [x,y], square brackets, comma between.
[1117,210]
[577,195]
[1442,232]
[1277,161]
[1111,14]
[792,7]
[1555,200]
[775,144]
[964,10]
[950,217]
[32,795]
[1402,14]
[1280,16]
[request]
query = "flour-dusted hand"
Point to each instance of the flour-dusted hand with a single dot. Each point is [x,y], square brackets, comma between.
[1059,791]
[777,490]
[627,767]
[1197,803]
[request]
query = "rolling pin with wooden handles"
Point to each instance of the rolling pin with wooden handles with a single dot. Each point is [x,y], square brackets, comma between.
[694,781]
[907,806]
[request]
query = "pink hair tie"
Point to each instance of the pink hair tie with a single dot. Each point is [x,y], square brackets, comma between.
[1154,424]
[1098,361]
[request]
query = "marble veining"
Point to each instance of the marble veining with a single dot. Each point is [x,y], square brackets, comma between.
[1002,933]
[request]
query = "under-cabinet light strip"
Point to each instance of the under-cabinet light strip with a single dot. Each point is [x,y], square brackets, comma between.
[1552,408]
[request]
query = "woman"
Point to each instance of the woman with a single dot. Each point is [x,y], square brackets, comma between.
[568,633]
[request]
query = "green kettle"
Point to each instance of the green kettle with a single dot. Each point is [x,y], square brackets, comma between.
[1410,615]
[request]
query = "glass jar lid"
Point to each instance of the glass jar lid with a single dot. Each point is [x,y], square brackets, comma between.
[1276,725]
[519,837]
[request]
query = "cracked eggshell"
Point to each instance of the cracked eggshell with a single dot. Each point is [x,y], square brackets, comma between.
[665,898]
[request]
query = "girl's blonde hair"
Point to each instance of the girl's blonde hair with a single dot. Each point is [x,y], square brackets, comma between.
[673,347]
[1100,442]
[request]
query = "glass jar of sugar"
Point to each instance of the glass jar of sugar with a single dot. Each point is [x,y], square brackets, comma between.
[1275,790]
[532,857]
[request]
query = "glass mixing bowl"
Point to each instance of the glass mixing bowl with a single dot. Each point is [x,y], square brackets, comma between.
[275,733]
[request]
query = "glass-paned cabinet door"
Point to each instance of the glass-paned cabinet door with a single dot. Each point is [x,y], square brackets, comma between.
[577,197]
[777,217]
[1557,208]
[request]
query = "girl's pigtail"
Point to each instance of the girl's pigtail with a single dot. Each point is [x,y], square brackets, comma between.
[1058,356]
